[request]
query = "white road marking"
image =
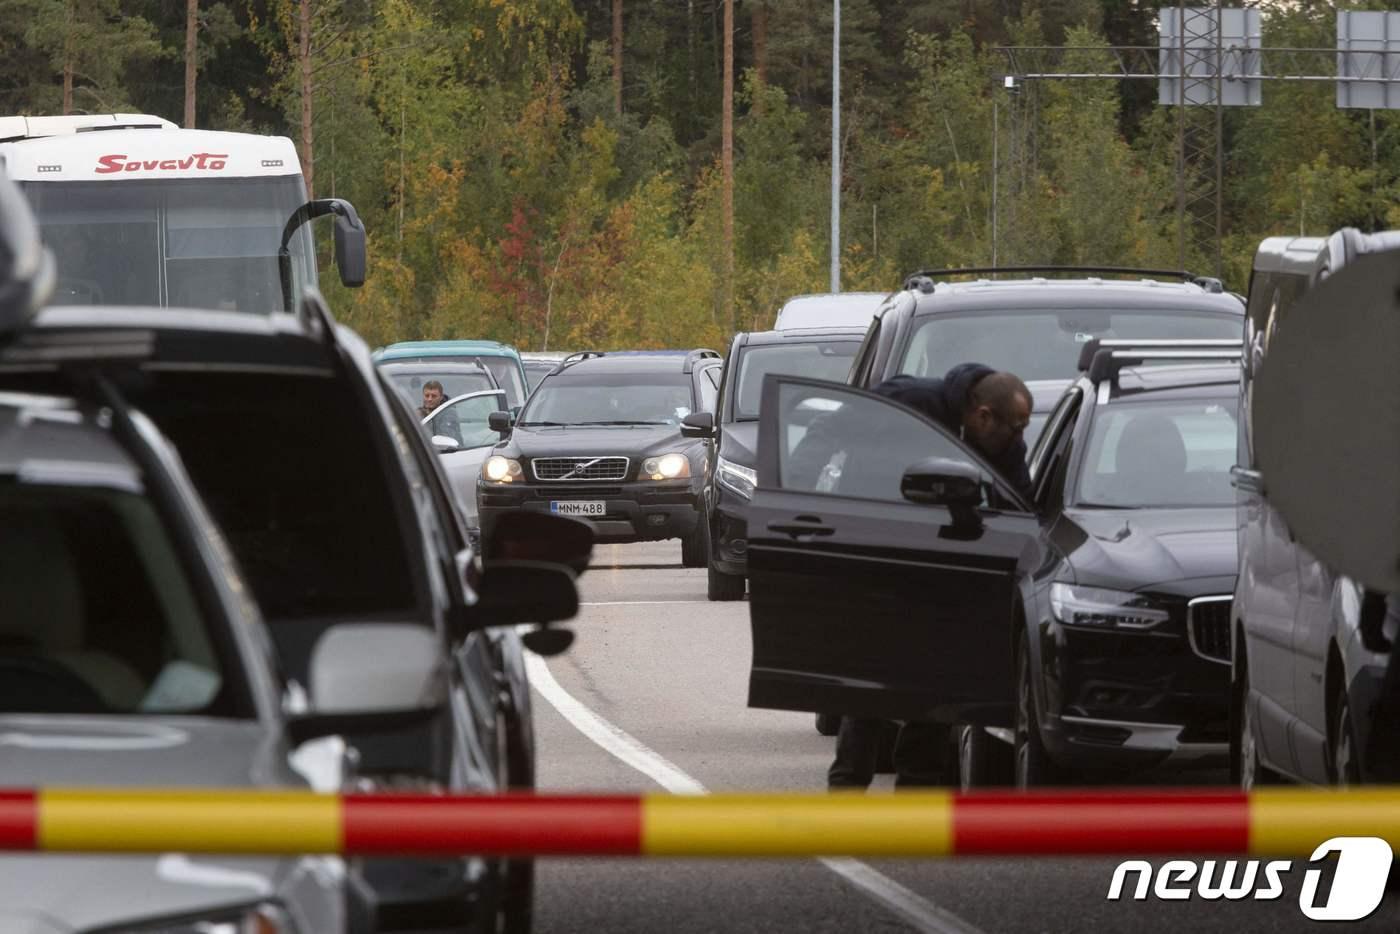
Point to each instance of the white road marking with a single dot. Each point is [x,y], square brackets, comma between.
[642,602]
[915,910]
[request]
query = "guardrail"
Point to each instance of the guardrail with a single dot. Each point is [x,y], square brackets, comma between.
[1285,822]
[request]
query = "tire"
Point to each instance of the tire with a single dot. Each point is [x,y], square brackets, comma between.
[1245,765]
[1346,764]
[884,750]
[983,760]
[722,586]
[1031,763]
[828,724]
[517,901]
[695,547]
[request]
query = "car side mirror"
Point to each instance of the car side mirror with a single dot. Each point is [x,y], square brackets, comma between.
[372,677]
[539,536]
[515,592]
[445,445]
[500,422]
[955,485]
[350,247]
[698,425]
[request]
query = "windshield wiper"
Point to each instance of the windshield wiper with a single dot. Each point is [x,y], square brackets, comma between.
[622,422]
[542,424]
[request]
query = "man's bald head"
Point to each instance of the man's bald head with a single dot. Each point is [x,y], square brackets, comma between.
[998,411]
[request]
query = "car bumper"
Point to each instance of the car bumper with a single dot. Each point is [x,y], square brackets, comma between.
[1132,700]
[635,512]
[729,533]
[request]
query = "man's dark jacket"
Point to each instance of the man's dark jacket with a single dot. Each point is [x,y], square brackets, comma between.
[944,401]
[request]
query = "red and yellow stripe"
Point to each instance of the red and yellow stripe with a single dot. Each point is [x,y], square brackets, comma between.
[1283,822]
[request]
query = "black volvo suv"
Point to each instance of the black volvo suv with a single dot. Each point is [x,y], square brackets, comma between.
[600,439]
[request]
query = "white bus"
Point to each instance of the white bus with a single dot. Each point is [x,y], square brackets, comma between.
[140,212]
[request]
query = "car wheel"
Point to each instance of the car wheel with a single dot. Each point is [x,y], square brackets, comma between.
[828,724]
[695,547]
[1248,767]
[983,760]
[517,903]
[1032,765]
[1346,767]
[724,586]
[884,748]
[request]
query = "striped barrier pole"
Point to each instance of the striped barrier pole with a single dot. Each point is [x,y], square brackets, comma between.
[1284,822]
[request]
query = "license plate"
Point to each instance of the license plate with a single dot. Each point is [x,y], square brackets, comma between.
[577,507]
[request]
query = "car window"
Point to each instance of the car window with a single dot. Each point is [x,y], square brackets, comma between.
[844,443]
[507,374]
[453,385]
[1151,454]
[828,360]
[464,420]
[1044,343]
[610,399]
[97,614]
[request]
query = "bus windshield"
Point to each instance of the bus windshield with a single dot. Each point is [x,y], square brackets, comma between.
[185,243]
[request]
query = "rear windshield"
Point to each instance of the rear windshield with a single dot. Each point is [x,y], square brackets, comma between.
[828,360]
[98,616]
[610,399]
[1045,343]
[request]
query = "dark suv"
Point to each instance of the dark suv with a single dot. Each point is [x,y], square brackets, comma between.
[822,353]
[1033,322]
[600,438]
[1128,662]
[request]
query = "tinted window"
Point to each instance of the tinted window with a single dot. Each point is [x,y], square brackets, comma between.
[96,612]
[828,360]
[846,444]
[1044,344]
[1144,454]
[610,399]
[709,388]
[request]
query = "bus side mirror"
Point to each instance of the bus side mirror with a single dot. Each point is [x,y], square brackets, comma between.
[350,248]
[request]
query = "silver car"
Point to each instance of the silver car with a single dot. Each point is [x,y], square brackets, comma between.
[131,655]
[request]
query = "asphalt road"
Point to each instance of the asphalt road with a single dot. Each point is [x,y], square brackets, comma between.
[658,662]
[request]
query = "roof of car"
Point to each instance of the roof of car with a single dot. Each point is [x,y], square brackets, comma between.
[54,439]
[804,335]
[1005,294]
[445,348]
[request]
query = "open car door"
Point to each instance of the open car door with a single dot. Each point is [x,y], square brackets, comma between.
[867,597]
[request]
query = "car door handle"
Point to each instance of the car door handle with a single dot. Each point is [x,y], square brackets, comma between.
[802,526]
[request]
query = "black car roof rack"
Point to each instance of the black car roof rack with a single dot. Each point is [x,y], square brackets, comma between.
[923,280]
[1092,347]
[695,356]
[1108,361]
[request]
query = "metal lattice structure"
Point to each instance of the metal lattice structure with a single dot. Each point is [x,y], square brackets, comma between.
[1210,58]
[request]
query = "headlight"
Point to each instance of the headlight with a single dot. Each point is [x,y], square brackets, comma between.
[736,477]
[666,467]
[498,469]
[1104,609]
[256,919]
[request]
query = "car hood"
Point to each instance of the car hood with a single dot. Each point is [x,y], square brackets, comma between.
[740,443]
[568,442]
[52,893]
[1156,549]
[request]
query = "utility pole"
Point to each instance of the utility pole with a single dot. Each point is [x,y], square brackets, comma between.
[617,56]
[835,146]
[191,52]
[727,162]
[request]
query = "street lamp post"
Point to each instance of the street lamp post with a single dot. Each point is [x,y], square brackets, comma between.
[836,147]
